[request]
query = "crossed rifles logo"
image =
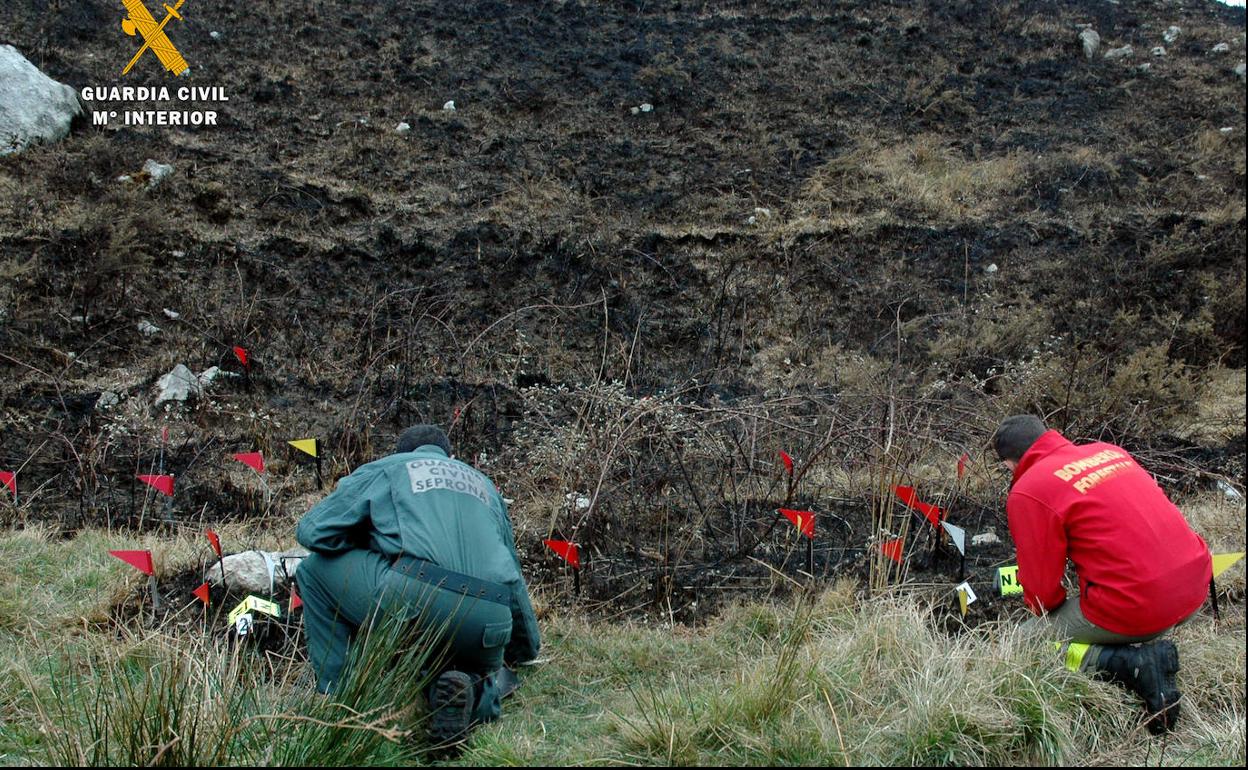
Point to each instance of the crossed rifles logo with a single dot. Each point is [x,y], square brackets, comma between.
[142,22]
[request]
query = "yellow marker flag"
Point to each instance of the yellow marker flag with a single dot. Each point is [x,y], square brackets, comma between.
[1007,579]
[962,601]
[305,445]
[1224,561]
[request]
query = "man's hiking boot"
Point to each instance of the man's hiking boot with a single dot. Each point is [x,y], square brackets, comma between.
[1148,670]
[451,704]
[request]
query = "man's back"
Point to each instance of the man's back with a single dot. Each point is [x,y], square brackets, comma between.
[1141,567]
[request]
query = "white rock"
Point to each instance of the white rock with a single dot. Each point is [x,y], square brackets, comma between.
[752,220]
[33,107]
[762,212]
[1159,50]
[147,328]
[449,106]
[1227,129]
[646,107]
[1091,42]
[403,128]
[634,110]
[215,35]
[992,268]
[172,313]
[178,385]
[125,178]
[256,572]
[1230,491]
[985,538]
[156,172]
[1172,34]
[1239,70]
[578,501]
[178,253]
[1119,53]
[1221,48]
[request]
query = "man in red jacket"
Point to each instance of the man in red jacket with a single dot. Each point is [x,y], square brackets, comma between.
[1142,570]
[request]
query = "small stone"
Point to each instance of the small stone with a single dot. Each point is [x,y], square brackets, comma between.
[1091,42]
[634,110]
[1221,48]
[107,400]
[985,538]
[762,212]
[1239,70]
[449,106]
[991,268]
[147,328]
[178,253]
[751,221]
[1145,67]
[578,501]
[646,107]
[403,128]
[1227,129]
[1172,34]
[215,35]
[156,172]
[1119,53]
[1159,50]
[173,314]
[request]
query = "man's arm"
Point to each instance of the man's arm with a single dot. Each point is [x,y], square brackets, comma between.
[1040,539]
[526,640]
[339,522]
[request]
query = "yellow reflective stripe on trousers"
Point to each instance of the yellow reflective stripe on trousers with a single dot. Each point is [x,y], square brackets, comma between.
[1075,654]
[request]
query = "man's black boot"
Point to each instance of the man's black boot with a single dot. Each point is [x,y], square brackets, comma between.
[451,703]
[1148,670]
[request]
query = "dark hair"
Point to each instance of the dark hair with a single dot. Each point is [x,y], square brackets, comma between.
[1016,434]
[420,435]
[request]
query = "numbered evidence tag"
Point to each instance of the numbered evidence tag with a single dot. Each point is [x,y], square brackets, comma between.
[1007,580]
[966,597]
[253,604]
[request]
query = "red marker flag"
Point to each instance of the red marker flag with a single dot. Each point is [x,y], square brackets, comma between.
[241,354]
[9,479]
[788,461]
[295,601]
[803,520]
[567,550]
[140,560]
[216,541]
[201,593]
[253,459]
[164,484]
[893,549]
[908,496]
[962,461]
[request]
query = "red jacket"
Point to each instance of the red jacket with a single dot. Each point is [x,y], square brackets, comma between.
[1141,567]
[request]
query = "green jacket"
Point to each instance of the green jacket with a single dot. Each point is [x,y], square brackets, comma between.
[427,505]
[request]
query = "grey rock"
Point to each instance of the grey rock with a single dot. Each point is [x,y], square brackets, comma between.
[1239,70]
[403,128]
[1172,34]
[1221,48]
[1091,42]
[178,385]
[33,107]
[147,328]
[1159,50]
[107,400]
[1119,53]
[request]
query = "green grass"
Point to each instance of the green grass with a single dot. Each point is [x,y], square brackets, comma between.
[827,680]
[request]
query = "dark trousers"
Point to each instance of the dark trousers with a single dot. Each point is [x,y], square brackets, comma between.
[343,593]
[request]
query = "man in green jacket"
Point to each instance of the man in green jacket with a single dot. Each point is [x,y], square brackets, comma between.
[425,537]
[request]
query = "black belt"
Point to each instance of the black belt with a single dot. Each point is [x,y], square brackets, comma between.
[457,582]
